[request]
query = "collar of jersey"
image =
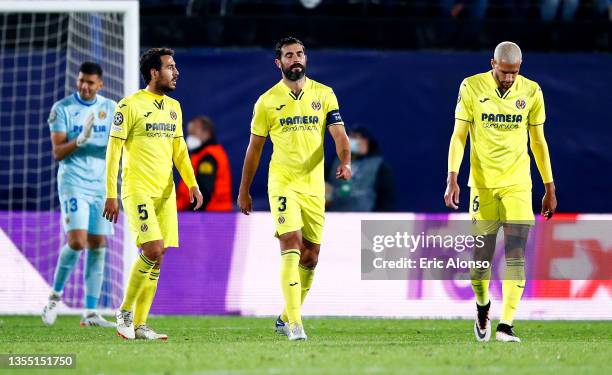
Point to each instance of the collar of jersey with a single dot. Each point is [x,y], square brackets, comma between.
[85,102]
[152,94]
[494,86]
[290,93]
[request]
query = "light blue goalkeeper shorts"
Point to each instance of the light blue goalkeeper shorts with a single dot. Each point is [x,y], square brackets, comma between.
[84,212]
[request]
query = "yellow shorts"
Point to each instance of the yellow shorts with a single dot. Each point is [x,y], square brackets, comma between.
[294,211]
[490,208]
[152,219]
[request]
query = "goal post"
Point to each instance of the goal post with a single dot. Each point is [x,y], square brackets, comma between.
[42,44]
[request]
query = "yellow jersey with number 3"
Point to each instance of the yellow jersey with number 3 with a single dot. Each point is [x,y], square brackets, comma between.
[148,123]
[498,128]
[296,125]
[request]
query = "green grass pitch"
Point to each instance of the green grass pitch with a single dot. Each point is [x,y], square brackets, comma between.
[238,345]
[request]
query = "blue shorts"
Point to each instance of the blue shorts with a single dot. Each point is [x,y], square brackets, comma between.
[84,212]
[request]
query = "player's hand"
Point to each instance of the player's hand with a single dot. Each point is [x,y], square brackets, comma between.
[194,193]
[111,210]
[245,203]
[451,195]
[87,129]
[549,204]
[344,172]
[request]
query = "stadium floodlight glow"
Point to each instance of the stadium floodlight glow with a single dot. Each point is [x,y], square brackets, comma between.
[42,44]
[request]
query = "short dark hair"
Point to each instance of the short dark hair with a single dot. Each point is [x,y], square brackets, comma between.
[90,67]
[207,125]
[152,60]
[285,42]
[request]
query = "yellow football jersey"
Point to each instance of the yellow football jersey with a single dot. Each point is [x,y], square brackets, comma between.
[148,123]
[499,128]
[296,125]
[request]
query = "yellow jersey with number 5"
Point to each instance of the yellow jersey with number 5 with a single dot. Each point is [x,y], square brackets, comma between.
[498,128]
[148,123]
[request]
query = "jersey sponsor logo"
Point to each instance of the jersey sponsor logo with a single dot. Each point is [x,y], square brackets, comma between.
[160,130]
[501,121]
[52,116]
[116,128]
[278,109]
[299,120]
[95,128]
[118,120]
[173,115]
[316,105]
[121,105]
[483,100]
[101,115]
[297,123]
[147,114]
[521,104]
[164,127]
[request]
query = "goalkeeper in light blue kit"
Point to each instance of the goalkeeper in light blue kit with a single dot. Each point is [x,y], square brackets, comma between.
[80,125]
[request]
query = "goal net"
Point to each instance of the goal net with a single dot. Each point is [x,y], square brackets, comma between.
[42,45]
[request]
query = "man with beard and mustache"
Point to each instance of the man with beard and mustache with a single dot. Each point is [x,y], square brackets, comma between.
[295,114]
[147,127]
[501,111]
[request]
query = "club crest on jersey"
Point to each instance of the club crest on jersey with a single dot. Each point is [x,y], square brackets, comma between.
[144,228]
[316,105]
[521,104]
[52,116]
[101,115]
[281,219]
[118,120]
[173,115]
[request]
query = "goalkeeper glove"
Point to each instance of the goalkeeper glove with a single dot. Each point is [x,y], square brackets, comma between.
[86,133]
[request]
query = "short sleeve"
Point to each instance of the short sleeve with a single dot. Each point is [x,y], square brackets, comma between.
[332,110]
[121,120]
[463,110]
[537,114]
[57,119]
[259,124]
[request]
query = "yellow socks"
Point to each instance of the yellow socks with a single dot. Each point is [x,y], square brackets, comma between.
[480,284]
[145,299]
[290,284]
[139,275]
[512,288]
[306,277]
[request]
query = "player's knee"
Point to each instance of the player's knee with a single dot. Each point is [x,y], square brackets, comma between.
[309,259]
[291,240]
[96,243]
[77,243]
[153,251]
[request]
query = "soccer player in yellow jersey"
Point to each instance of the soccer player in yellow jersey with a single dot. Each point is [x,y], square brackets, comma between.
[147,127]
[295,113]
[501,111]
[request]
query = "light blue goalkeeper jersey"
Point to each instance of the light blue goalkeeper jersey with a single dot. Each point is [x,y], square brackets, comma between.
[83,171]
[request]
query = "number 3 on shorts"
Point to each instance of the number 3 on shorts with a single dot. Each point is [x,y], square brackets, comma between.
[282,204]
[142,211]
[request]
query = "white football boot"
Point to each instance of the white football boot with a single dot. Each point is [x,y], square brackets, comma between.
[296,332]
[482,323]
[94,319]
[504,333]
[125,324]
[49,314]
[143,332]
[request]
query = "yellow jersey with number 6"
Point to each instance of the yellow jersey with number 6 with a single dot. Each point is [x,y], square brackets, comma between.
[498,128]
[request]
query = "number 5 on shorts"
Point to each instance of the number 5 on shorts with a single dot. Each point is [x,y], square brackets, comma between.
[142,211]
